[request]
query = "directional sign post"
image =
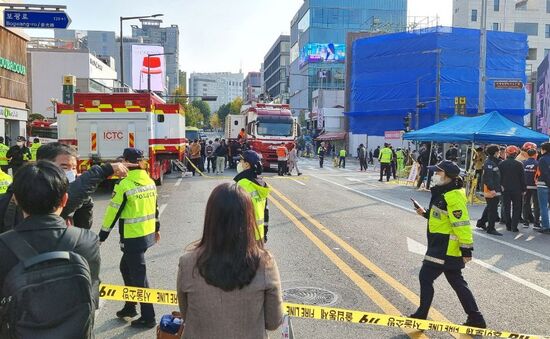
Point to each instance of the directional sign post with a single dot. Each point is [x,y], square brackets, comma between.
[36,19]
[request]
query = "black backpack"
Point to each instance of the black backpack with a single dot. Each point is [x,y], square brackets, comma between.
[47,295]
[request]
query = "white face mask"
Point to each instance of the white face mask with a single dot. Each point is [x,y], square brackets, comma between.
[437,180]
[240,167]
[20,143]
[71,175]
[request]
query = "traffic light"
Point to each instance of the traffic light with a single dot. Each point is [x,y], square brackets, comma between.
[407,122]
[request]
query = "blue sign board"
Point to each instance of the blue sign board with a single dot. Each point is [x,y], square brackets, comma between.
[36,19]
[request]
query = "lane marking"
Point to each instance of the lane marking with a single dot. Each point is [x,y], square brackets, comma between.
[162,208]
[407,293]
[178,182]
[298,181]
[419,248]
[367,288]
[407,209]
[353,180]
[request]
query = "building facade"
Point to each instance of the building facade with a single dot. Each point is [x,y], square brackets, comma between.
[252,87]
[152,33]
[14,74]
[318,41]
[224,85]
[275,70]
[99,43]
[531,17]
[47,68]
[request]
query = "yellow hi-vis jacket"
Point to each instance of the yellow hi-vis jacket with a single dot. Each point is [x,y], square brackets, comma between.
[134,204]
[259,196]
[3,152]
[385,155]
[343,153]
[5,181]
[34,148]
[449,233]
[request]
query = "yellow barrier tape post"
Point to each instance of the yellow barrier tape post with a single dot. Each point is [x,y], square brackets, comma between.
[167,297]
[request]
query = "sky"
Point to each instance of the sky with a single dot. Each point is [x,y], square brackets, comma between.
[215,35]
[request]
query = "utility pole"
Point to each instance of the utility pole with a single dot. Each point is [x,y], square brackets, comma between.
[482,58]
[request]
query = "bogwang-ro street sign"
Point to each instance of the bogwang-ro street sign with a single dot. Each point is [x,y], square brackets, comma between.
[36,19]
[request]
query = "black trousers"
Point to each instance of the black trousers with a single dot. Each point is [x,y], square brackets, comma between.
[134,273]
[385,168]
[211,161]
[5,168]
[363,163]
[321,161]
[393,165]
[531,214]
[490,213]
[512,203]
[423,172]
[282,167]
[342,160]
[428,274]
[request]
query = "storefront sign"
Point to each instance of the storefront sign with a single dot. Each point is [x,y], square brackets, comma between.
[12,66]
[393,135]
[509,84]
[13,113]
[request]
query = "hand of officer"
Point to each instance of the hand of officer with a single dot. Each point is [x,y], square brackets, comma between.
[467,259]
[120,169]
[420,211]
[157,237]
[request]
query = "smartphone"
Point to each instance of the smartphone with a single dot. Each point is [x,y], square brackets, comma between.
[416,204]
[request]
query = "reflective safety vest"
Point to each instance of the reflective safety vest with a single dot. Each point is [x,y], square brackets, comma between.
[5,182]
[343,153]
[34,149]
[3,152]
[385,155]
[135,203]
[449,231]
[259,200]
[400,155]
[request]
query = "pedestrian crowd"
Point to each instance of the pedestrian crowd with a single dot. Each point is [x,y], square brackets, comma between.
[516,179]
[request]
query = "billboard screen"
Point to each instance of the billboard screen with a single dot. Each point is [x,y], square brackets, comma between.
[143,66]
[542,111]
[323,53]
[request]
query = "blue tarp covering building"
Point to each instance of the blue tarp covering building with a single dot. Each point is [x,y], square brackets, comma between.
[387,71]
[486,129]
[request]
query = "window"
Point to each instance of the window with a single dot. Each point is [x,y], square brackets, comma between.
[496,6]
[474,14]
[547,31]
[532,54]
[521,5]
[303,24]
[547,6]
[527,28]
[546,51]
[495,26]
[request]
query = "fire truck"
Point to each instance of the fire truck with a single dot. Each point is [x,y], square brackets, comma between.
[44,130]
[102,125]
[266,126]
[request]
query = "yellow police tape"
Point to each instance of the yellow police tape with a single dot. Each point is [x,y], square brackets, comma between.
[167,297]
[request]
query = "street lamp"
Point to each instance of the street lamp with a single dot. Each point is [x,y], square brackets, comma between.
[122,18]
[149,67]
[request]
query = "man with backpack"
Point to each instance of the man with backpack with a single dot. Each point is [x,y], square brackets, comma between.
[210,157]
[46,264]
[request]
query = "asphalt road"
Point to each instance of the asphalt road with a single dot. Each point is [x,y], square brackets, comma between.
[342,238]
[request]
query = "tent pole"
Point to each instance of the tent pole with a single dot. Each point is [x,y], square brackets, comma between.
[429,162]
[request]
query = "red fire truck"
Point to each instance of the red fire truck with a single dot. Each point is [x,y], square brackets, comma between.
[266,126]
[102,125]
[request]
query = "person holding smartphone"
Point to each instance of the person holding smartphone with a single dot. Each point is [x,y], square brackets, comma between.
[450,242]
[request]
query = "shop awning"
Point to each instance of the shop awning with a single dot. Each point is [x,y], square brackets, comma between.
[329,136]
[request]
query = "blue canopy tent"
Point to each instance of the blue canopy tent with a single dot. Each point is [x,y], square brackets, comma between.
[485,129]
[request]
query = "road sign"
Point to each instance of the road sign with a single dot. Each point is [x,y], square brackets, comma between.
[508,84]
[460,105]
[36,19]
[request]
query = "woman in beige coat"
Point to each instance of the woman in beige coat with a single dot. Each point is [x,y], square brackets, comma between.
[228,284]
